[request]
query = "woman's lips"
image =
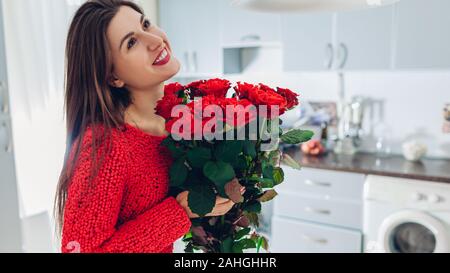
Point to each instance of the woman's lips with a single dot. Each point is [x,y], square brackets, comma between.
[163,57]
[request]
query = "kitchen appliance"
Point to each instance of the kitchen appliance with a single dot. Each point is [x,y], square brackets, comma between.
[309,5]
[406,216]
[350,126]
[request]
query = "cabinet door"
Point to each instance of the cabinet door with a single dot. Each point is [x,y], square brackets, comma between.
[423,39]
[10,235]
[204,35]
[240,23]
[306,41]
[194,31]
[293,236]
[366,35]
[174,20]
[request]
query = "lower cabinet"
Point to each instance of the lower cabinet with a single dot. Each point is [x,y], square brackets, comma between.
[317,211]
[297,236]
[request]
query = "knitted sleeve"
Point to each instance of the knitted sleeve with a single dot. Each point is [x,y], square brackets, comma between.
[92,209]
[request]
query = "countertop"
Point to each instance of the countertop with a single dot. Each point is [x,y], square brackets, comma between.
[437,170]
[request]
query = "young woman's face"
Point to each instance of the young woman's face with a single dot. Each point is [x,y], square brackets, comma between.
[138,47]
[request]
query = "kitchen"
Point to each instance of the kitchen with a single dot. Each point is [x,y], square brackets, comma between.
[374,85]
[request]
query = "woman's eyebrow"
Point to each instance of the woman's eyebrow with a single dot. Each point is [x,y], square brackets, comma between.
[130,33]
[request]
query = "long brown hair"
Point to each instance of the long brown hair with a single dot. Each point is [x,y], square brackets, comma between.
[89,98]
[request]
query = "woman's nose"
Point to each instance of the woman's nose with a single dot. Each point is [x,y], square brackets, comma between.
[153,41]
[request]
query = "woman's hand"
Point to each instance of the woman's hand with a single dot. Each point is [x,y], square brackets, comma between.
[221,207]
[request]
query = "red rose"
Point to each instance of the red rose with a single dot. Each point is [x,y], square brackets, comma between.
[267,97]
[214,87]
[243,89]
[240,107]
[194,91]
[165,105]
[291,97]
[173,89]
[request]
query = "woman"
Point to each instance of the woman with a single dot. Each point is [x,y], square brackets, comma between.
[112,192]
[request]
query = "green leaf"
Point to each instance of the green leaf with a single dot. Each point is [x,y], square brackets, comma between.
[268,195]
[201,199]
[254,206]
[241,233]
[178,173]
[297,136]
[240,163]
[243,244]
[268,172]
[265,182]
[288,160]
[278,176]
[262,242]
[252,217]
[219,172]
[228,150]
[175,150]
[198,156]
[227,245]
[249,148]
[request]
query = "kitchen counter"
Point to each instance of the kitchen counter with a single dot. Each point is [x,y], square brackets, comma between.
[436,170]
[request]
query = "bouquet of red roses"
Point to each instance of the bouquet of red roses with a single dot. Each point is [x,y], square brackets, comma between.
[221,142]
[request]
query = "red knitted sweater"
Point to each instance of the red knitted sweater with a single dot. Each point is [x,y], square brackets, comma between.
[125,208]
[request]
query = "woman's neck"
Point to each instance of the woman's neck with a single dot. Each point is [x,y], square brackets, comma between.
[141,112]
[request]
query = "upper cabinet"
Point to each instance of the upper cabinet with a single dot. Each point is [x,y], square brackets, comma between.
[347,40]
[364,39]
[307,41]
[239,25]
[193,30]
[423,39]
[209,36]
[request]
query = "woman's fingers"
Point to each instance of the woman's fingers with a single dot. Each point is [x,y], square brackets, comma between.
[221,200]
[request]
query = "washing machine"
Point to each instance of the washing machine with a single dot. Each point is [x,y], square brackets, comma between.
[406,215]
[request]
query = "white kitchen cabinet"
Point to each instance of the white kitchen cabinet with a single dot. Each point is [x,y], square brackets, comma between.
[322,210]
[10,234]
[318,182]
[294,236]
[422,35]
[347,40]
[193,29]
[307,41]
[238,25]
[366,37]
[318,210]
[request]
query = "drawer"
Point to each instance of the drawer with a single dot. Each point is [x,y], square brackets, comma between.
[335,184]
[293,236]
[339,213]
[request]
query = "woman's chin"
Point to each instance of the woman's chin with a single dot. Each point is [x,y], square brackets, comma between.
[173,67]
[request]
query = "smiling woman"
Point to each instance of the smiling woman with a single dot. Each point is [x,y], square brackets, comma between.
[112,192]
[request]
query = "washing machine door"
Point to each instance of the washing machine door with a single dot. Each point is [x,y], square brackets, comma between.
[412,231]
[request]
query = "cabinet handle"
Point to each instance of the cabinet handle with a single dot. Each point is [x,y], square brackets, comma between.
[318,211]
[310,182]
[3,98]
[6,134]
[186,61]
[329,56]
[343,55]
[322,241]
[251,37]
[194,59]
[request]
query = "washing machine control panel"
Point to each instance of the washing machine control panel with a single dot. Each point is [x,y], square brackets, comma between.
[431,198]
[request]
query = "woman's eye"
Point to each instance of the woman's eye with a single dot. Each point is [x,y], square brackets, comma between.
[131,43]
[147,24]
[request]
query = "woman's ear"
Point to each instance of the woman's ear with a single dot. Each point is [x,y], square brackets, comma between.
[114,81]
